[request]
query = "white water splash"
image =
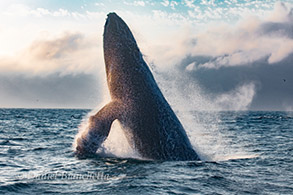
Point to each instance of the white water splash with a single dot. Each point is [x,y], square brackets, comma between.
[210,141]
[117,143]
[199,115]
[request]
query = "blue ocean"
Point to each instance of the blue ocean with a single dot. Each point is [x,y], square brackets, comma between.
[245,152]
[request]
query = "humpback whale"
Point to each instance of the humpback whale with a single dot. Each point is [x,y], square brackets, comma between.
[147,119]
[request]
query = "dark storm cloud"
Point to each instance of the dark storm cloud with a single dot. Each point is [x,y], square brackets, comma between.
[277,29]
[79,91]
[282,26]
[248,66]
[273,83]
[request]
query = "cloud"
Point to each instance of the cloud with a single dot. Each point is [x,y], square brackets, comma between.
[171,4]
[273,86]
[70,91]
[243,63]
[189,3]
[71,53]
[208,2]
[208,10]
[136,3]
[139,3]
[282,12]
[23,10]
[99,4]
[165,3]
[236,66]
[252,39]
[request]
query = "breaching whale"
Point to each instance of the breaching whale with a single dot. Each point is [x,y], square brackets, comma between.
[137,103]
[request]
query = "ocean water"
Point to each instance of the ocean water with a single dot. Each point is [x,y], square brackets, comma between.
[242,152]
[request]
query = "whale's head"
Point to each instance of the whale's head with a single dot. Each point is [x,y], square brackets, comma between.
[120,47]
[123,59]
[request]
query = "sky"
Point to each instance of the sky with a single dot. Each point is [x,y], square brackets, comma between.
[204,54]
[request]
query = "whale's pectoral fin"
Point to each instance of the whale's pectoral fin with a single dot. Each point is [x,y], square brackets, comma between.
[98,129]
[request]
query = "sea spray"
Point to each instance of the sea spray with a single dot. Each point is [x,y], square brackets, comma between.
[210,141]
[200,116]
[116,143]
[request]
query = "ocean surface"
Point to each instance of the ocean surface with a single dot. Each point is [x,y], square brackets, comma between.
[242,153]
